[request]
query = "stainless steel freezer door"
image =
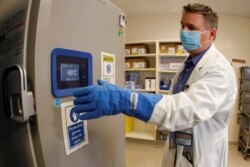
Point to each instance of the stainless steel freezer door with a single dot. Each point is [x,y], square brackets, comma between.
[16,148]
[15,143]
[85,25]
[15,134]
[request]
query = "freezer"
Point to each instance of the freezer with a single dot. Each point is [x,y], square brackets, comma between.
[49,49]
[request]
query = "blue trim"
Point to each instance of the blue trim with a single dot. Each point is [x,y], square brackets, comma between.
[57,52]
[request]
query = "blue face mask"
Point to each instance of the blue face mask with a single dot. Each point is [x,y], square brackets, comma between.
[190,39]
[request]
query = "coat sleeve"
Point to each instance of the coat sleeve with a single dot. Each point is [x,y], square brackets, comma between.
[205,97]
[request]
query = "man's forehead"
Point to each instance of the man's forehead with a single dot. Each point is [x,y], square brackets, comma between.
[192,18]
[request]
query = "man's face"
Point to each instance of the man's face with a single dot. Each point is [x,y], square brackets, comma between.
[196,22]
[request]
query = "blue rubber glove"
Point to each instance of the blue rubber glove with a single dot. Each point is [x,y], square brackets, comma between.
[107,99]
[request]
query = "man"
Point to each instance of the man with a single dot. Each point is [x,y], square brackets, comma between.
[198,112]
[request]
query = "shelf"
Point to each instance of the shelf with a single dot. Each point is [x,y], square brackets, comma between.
[246,147]
[173,55]
[141,135]
[140,69]
[167,71]
[152,42]
[245,130]
[247,114]
[245,151]
[141,55]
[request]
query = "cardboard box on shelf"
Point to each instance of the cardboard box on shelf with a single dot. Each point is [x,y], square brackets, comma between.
[139,49]
[142,51]
[134,50]
[127,52]
[139,63]
[171,48]
[136,63]
[127,65]
[127,49]
[163,48]
[167,48]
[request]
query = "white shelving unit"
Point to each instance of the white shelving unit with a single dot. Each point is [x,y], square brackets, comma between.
[141,69]
[170,55]
[167,71]
[158,56]
[141,135]
[141,55]
[174,55]
[141,130]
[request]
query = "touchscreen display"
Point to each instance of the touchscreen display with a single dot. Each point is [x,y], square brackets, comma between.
[69,72]
[72,72]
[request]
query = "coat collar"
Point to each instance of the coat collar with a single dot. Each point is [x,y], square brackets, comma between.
[203,61]
[205,58]
[197,69]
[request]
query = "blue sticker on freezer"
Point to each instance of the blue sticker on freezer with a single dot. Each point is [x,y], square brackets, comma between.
[76,134]
[57,102]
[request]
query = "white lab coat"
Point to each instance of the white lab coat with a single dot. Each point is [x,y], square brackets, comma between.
[205,108]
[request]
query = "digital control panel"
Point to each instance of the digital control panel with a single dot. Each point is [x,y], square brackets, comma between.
[70,69]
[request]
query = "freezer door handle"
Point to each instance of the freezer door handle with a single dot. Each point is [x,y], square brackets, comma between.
[18,101]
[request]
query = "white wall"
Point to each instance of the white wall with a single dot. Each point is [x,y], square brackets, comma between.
[233,39]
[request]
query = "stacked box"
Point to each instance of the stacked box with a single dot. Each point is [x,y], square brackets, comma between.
[136,63]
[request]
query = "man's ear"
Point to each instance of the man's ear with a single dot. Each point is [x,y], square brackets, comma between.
[213,33]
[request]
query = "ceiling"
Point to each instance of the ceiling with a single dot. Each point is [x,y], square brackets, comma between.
[148,7]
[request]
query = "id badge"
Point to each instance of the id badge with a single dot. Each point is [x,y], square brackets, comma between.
[183,138]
